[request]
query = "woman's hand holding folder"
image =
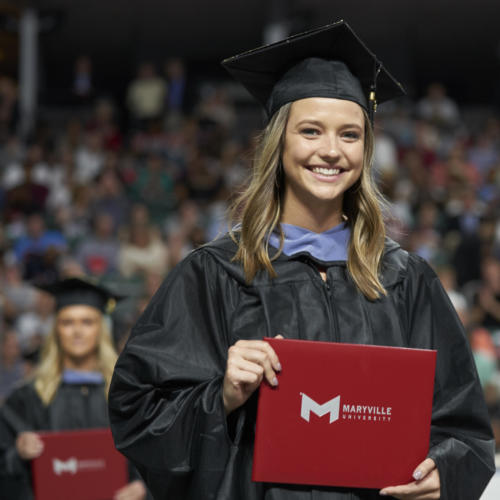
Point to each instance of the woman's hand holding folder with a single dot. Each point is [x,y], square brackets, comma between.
[248,362]
[426,485]
[29,445]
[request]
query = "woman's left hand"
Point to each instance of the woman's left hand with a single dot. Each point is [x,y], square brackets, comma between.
[132,491]
[426,485]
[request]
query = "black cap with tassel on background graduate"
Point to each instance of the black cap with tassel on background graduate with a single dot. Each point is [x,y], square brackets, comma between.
[77,291]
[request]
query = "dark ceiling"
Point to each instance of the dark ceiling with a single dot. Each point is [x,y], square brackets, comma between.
[455,41]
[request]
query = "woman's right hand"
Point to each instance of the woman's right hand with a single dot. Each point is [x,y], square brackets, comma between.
[248,362]
[29,445]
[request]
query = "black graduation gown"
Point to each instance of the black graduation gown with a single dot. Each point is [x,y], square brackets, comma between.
[75,406]
[166,409]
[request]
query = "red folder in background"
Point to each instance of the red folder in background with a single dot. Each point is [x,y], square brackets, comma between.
[81,465]
[344,415]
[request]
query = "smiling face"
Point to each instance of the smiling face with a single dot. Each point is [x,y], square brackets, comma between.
[322,157]
[78,329]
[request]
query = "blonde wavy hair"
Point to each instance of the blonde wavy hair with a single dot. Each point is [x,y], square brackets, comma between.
[258,210]
[48,375]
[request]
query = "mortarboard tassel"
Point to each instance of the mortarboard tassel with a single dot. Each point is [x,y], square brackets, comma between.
[372,105]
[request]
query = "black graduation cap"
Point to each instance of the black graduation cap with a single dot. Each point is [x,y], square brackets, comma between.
[330,61]
[76,291]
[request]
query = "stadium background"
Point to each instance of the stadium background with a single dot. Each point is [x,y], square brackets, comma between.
[118,177]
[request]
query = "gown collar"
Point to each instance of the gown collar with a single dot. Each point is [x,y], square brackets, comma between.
[329,246]
[81,377]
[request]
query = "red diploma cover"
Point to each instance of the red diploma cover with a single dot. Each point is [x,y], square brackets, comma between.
[81,465]
[344,415]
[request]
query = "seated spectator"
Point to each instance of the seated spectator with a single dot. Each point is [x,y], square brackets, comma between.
[438,108]
[427,141]
[72,136]
[486,358]
[98,253]
[385,157]
[467,260]
[235,170]
[39,248]
[399,123]
[69,267]
[185,231]
[179,246]
[75,219]
[464,210]
[487,299]
[455,171]
[152,139]
[413,168]
[17,296]
[103,123]
[61,181]
[489,191]
[216,107]
[425,239]
[110,198]
[83,87]
[33,325]
[14,173]
[68,390]
[143,252]
[11,153]
[89,158]
[9,113]
[155,187]
[204,179]
[28,192]
[447,276]
[146,95]
[401,217]
[175,72]
[483,153]
[185,219]
[12,367]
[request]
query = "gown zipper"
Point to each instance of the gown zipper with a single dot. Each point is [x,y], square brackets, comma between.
[325,286]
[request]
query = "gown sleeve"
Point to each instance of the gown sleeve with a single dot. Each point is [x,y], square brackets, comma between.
[462,443]
[165,401]
[18,413]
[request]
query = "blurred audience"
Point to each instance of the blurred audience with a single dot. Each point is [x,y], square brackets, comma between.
[125,200]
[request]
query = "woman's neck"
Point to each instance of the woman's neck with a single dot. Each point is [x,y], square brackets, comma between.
[87,364]
[314,215]
[316,222]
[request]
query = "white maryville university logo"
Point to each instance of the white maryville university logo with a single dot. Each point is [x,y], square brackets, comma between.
[70,465]
[350,411]
[309,405]
[73,465]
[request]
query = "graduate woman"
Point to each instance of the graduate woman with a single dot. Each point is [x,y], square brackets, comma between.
[68,390]
[309,260]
